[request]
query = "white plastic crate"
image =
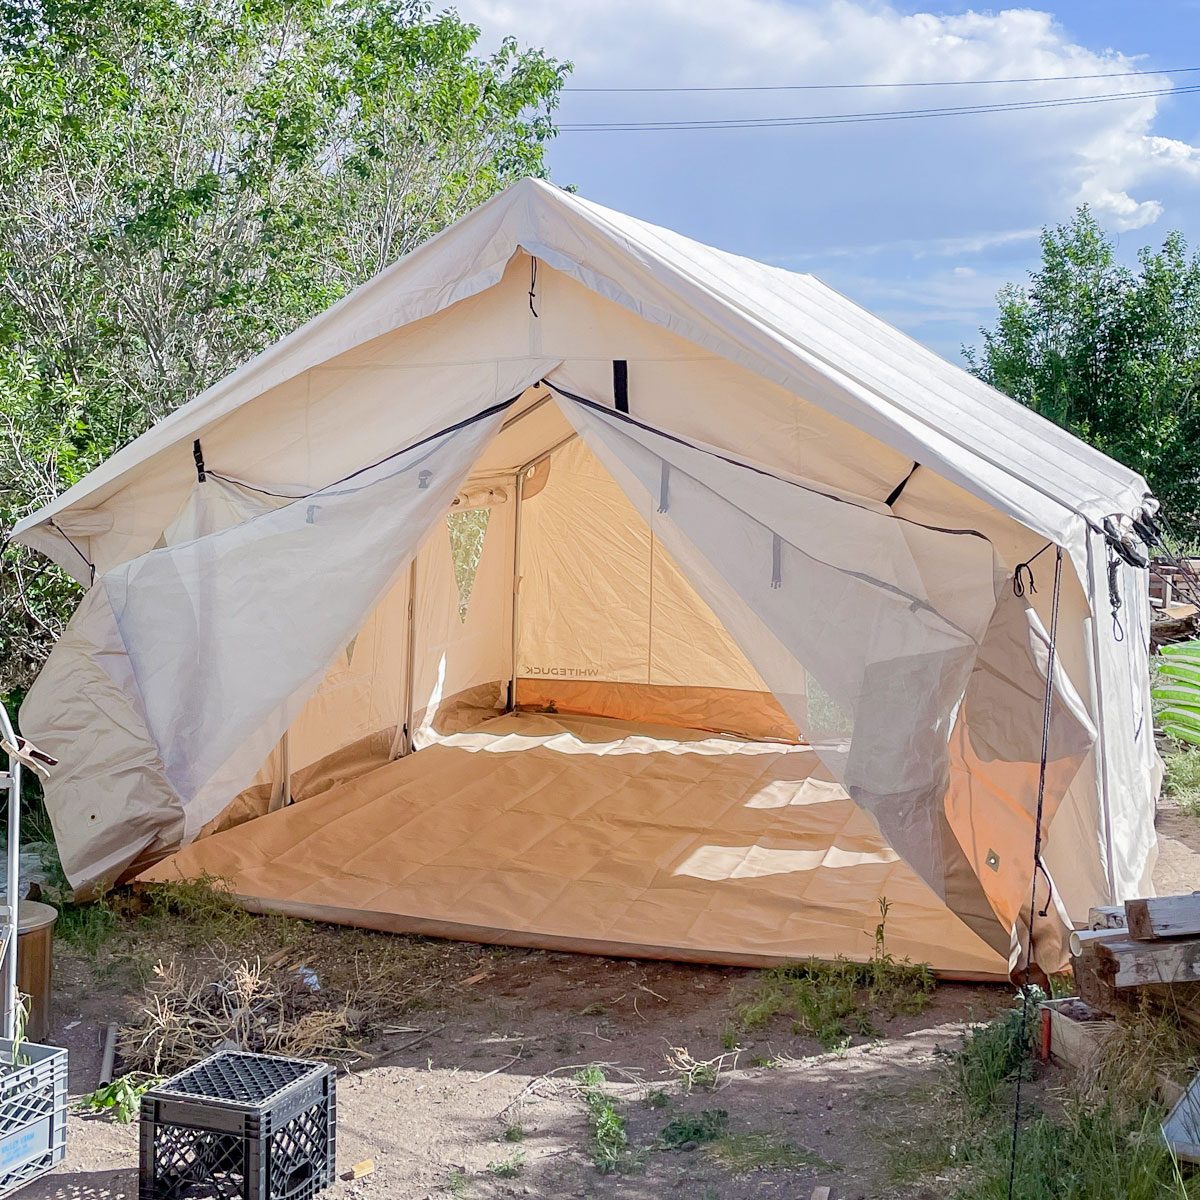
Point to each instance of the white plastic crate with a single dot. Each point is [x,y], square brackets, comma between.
[33,1112]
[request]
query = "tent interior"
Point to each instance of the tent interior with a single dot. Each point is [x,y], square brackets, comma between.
[533,621]
[642,792]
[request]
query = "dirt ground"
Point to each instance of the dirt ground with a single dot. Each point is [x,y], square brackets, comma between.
[441,1116]
[502,1054]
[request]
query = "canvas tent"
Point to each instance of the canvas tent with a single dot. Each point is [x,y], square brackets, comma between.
[575,584]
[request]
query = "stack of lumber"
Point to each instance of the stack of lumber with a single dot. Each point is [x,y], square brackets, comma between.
[1154,959]
[1173,600]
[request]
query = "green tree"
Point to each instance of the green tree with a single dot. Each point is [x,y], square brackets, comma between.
[184,181]
[1110,353]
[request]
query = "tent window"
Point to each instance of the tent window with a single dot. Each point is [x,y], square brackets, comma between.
[467,531]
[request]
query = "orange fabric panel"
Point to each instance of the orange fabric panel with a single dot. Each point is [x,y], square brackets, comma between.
[721,710]
[553,830]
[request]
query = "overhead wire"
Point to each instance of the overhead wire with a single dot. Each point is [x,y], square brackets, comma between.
[905,83]
[850,118]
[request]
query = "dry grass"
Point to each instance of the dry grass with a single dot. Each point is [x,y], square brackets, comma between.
[1139,1049]
[170,945]
[191,1012]
[696,1073]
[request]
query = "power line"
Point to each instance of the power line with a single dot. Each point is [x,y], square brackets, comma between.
[902,114]
[915,83]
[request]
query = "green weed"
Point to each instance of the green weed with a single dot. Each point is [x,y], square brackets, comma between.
[990,1057]
[200,910]
[1182,781]
[514,1133]
[87,927]
[834,1001]
[1105,1143]
[1089,1154]
[507,1168]
[121,1099]
[689,1130]
[610,1150]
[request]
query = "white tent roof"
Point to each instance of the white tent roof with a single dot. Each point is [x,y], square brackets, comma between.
[789,328]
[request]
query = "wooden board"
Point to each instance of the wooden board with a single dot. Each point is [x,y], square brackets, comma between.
[1093,982]
[1135,964]
[1107,916]
[1163,917]
[1072,1041]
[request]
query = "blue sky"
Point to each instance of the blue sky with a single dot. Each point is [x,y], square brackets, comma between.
[920,221]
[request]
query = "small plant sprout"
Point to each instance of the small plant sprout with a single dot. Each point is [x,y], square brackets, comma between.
[508,1168]
[689,1130]
[121,1099]
[609,1140]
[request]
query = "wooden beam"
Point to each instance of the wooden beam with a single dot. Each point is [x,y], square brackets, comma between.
[1106,916]
[1163,917]
[1135,964]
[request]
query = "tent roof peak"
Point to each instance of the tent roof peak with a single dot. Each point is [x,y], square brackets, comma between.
[788,328]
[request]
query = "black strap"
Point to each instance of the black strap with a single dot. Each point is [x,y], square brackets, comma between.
[894,494]
[621,384]
[198,455]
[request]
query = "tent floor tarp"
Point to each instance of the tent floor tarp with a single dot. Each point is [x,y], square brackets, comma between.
[595,835]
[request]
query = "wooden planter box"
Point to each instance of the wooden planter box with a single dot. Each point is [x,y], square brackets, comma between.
[1071,1029]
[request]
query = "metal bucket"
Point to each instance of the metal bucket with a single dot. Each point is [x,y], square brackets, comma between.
[35,964]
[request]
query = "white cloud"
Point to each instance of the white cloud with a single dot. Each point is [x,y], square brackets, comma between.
[965,186]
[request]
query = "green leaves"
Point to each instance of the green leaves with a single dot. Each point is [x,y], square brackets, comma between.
[1110,353]
[1177,690]
[182,182]
[121,1099]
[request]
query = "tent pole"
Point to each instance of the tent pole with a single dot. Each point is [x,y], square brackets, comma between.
[516,591]
[406,732]
[522,471]
[10,786]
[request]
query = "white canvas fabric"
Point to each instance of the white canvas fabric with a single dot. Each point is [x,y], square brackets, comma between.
[215,647]
[843,513]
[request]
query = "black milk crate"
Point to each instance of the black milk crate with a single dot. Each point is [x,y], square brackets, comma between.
[239,1127]
[33,1112]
